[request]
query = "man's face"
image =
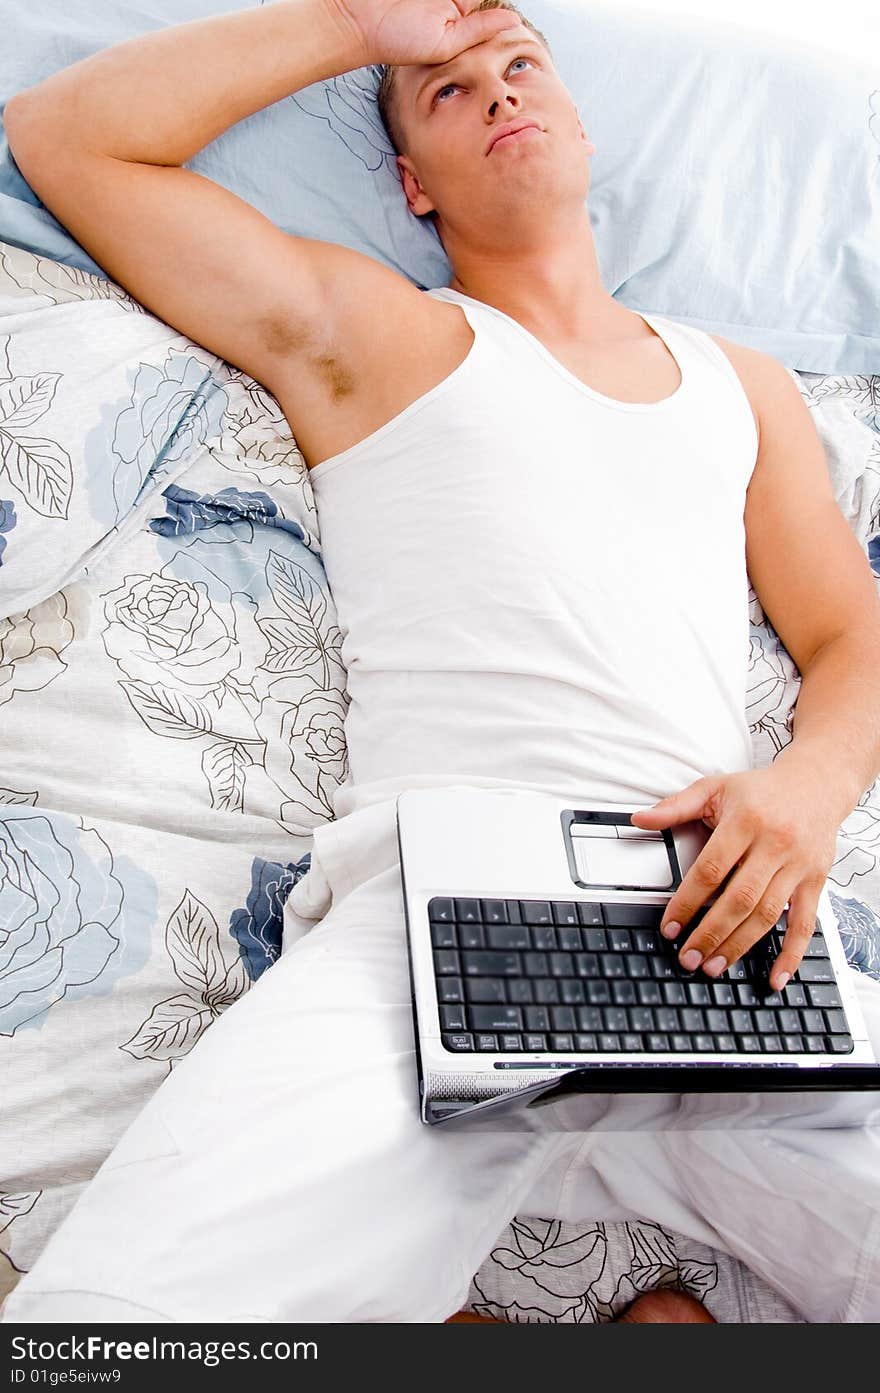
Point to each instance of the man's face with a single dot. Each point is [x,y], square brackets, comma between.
[451,113]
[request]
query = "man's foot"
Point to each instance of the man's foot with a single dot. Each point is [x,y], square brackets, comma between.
[661,1307]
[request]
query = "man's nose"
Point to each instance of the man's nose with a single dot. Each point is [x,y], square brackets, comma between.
[509,101]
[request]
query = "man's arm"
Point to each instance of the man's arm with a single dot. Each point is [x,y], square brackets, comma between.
[102,141]
[775,828]
[817,589]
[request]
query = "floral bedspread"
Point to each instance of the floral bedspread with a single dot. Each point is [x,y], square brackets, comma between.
[172,705]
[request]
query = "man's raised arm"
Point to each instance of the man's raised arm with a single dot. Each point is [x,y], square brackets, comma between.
[102,142]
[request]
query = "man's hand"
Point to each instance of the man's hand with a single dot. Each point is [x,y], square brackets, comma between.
[419,31]
[773,829]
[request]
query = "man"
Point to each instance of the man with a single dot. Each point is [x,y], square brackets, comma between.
[521,400]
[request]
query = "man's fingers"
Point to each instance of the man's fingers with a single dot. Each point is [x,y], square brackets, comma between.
[748,900]
[721,941]
[721,853]
[800,927]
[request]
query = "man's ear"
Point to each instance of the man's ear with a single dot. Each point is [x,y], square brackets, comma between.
[418,200]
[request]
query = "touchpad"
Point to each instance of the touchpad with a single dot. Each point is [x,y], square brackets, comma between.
[618,856]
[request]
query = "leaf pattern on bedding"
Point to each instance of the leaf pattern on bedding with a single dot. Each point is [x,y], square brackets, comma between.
[39,469]
[192,940]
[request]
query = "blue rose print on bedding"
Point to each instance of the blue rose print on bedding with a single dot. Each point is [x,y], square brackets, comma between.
[7,522]
[74,918]
[859,932]
[874,555]
[170,411]
[230,535]
[258,928]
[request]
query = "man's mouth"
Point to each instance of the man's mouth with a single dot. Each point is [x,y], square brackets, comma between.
[511,133]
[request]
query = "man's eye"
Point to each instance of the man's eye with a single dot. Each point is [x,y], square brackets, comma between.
[521,60]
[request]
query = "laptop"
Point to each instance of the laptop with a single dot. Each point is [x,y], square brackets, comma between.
[540,980]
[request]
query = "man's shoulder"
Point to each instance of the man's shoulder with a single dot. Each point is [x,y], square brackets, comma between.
[762,376]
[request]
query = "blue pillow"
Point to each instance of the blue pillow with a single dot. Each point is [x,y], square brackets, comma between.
[734,186]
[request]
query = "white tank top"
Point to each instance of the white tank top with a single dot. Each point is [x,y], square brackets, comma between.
[542,587]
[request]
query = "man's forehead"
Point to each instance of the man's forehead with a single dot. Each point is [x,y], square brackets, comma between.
[413,75]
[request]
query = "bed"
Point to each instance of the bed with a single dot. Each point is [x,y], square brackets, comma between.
[173,704]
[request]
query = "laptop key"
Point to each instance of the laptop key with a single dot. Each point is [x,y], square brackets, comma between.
[634,916]
[537,1018]
[680,1042]
[510,1043]
[619,941]
[595,940]
[717,1020]
[589,1018]
[772,1044]
[572,992]
[484,990]
[765,1021]
[458,1043]
[632,1043]
[615,1018]
[815,1044]
[638,965]
[468,911]
[441,910]
[560,964]
[816,970]
[722,993]
[725,1043]
[749,1044]
[495,1018]
[692,1018]
[585,1043]
[590,913]
[674,994]
[813,1021]
[519,991]
[741,1021]
[443,936]
[649,993]
[494,911]
[563,1043]
[613,964]
[788,1020]
[624,993]
[569,938]
[536,912]
[641,1018]
[817,947]
[598,993]
[586,964]
[646,941]
[794,995]
[508,936]
[472,935]
[535,1044]
[663,968]
[746,994]
[698,993]
[543,937]
[487,1043]
[822,994]
[656,1041]
[565,912]
[704,1043]
[667,1018]
[836,1022]
[452,1018]
[446,963]
[477,964]
[563,1018]
[839,1044]
[609,1042]
[450,989]
[793,1044]
[546,991]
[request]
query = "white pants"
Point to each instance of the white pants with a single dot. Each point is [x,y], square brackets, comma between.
[281,1172]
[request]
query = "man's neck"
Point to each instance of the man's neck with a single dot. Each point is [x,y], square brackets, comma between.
[552,287]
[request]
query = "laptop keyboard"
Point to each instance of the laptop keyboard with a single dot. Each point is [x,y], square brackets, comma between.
[557,976]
